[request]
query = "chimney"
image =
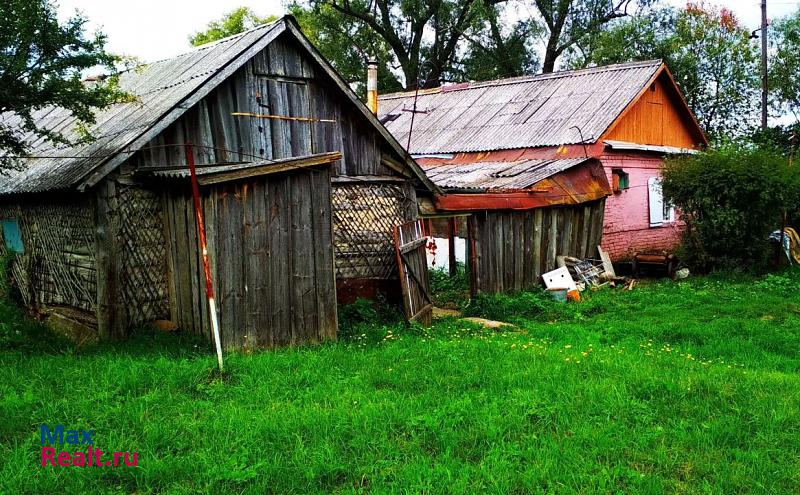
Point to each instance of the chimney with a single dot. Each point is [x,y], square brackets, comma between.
[372,86]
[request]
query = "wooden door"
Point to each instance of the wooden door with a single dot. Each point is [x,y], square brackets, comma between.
[409,240]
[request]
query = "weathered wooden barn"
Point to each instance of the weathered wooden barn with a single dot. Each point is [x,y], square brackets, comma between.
[522,214]
[629,116]
[301,187]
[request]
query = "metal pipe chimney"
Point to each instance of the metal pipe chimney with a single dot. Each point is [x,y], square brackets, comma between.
[372,86]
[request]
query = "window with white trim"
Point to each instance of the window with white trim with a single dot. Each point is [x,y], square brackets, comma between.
[661,212]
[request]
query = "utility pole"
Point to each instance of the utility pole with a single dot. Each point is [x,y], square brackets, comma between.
[764,64]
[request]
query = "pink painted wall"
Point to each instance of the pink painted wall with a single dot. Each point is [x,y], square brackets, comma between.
[626,228]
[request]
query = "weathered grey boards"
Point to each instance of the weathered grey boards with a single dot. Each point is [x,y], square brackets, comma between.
[511,249]
[412,259]
[271,253]
[108,227]
[232,124]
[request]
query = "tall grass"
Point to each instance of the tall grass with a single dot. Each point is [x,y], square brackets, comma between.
[690,387]
[449,291]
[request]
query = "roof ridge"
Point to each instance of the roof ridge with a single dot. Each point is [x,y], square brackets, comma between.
[525,79]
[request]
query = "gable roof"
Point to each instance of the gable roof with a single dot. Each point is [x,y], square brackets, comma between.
[163,91]
[524,112]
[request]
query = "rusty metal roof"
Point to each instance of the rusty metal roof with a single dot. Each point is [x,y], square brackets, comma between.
[524,112]
[497,176]
[158,87]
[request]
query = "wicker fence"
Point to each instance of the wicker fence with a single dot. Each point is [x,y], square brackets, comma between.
[364,216]
[57,267]
[143,276]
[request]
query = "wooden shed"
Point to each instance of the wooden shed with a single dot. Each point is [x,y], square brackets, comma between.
[300,184]
[521,214]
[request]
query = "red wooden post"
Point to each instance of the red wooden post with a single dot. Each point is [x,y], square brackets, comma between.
[201,229]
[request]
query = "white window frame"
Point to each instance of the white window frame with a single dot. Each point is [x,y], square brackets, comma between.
[659,212]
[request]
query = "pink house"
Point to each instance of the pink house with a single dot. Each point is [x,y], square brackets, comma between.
[629,116]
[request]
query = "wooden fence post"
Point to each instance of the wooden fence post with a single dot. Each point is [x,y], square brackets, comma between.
[111,315]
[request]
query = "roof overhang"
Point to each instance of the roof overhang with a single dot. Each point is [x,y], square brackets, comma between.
[216,174]
[582,181]
[664,150]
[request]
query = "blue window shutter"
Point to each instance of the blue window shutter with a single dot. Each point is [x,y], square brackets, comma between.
[12,235]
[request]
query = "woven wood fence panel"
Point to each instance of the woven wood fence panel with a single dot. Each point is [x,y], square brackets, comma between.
[364,216]
[143,276]
[57,267]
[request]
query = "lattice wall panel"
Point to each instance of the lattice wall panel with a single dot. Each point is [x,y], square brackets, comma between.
[143,276]
[364,216]
[57,267]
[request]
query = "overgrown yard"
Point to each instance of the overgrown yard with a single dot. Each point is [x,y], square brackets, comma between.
[690,387]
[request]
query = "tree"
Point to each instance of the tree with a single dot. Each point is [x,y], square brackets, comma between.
[344,42]
[784,77]
[711,55]
[234,22]
[424,37]
[497,51]
[569,21]
[41,61]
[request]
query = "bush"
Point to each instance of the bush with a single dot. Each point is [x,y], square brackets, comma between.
[367,317]
[449,292]
[731,199]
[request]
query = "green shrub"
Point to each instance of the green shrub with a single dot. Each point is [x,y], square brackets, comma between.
[366,318]
[447,291]
[731,199]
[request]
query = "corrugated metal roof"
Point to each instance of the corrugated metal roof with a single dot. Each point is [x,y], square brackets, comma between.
[497,176]
[523,112]
[158,88]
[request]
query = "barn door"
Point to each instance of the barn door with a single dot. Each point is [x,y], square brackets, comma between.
[409,241]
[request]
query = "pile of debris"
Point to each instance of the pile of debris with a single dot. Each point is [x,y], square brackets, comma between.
[575,275]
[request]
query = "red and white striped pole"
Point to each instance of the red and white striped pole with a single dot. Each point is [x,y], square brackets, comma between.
[201,229]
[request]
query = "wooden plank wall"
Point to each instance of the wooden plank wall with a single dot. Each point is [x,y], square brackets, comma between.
[270,245]
[414,278]
[657,119]
[513,248]
[280,80]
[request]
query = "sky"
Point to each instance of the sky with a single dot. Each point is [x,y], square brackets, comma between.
[156,29]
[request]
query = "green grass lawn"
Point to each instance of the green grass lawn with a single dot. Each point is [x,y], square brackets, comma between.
[690,387]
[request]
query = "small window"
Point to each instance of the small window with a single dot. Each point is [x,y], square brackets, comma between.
[620,180]
[661,211]
[12,235]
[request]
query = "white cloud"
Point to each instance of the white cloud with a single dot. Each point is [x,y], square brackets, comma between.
[156,29]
